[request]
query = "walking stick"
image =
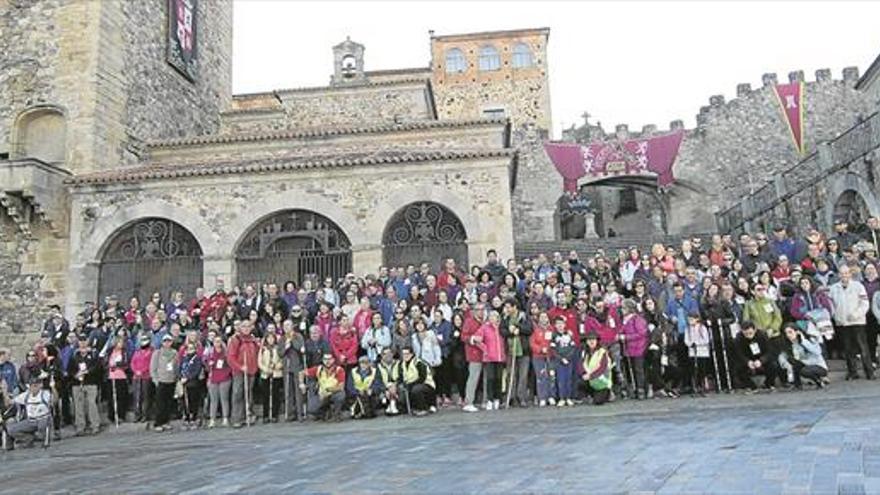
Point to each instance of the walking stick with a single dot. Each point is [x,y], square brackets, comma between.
[512,380]
[694,370]
[186,408]
[714,357]
[247,401]
[286,387]
[724,356]
[115,404]
[632,381]
[305,394]
[271,393]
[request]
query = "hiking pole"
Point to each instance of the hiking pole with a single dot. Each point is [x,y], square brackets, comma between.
[512,380]
[714,356]
[187,411]
[247,400]
[115,404]
[304,394]
[694,370]
[271,393]
[286,392]
[724,356]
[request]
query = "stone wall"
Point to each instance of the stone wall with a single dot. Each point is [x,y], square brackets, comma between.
[102,65]
[29,282]
[361,200]
[159,101]
[328,107]
[537,187]
[742,142]
[433,135]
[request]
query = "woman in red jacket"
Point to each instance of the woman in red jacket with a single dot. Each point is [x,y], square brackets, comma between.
[542,359]
[472,338]
[494,356]
[344,343]
[635,342]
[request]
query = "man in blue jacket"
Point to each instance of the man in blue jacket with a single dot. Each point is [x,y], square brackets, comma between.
[8,372]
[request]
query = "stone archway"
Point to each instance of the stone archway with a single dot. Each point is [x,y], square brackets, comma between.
[424,232]
[853,196]
[150,255]
[850,206]
[295,245]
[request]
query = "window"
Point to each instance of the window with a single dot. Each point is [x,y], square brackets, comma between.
[489,59]
[494,113]
[41,133]
[522,56]
[455,61]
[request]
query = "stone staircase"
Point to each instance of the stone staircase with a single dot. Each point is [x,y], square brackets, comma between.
[588,247]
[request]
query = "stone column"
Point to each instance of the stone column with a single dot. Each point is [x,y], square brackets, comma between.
[590,226]
[366,259]
[82,286]
[218,267]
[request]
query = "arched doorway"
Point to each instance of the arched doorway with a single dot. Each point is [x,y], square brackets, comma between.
[150,255]
[424,232]
[850,206]
[292,245]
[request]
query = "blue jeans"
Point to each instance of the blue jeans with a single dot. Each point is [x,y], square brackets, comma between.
[564,374]
[543,380]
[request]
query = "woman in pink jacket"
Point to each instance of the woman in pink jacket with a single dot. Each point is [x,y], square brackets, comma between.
[142,385]
[494,356]
[634,334]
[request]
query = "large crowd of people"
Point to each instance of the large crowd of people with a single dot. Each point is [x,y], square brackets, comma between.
[737,314]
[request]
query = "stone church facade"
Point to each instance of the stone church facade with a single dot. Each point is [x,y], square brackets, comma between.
[127,165]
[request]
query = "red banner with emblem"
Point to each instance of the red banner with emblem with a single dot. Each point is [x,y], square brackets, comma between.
[791,102]
[653,156]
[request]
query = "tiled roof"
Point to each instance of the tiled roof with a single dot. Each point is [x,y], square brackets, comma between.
[276,164]
[324,132]
[341,87]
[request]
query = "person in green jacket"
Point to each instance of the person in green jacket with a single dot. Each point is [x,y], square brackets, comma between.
[597,370]
[764,313]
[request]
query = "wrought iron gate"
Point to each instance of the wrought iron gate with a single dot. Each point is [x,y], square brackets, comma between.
[293,245]
[150,255]
[424,232]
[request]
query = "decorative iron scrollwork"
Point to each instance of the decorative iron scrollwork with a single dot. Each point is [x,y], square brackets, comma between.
[424,223]
[321,234]
[152,238]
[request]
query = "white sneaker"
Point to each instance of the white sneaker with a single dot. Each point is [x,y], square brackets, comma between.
[488,406]
[497,405]
[226,422]
[561,403]
[211,423]
[469,408]
[393,408]
[569,402]
[433,409]
[551,401]
[543,403]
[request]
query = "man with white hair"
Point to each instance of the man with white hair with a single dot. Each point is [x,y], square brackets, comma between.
[850,309]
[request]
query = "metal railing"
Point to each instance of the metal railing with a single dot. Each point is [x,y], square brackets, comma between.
[851,145]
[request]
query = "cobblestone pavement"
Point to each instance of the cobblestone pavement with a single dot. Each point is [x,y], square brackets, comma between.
[821,442]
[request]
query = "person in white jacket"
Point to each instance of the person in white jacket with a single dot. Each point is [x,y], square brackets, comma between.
[850,309]
[426,346]
[376,338]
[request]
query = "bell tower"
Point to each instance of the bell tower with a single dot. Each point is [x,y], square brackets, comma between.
[348,63]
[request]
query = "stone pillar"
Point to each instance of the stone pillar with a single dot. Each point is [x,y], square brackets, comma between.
[214,268]
[590,226]
[366,259]
[82,286]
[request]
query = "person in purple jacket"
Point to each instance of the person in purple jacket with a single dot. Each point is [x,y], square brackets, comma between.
[634,334]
